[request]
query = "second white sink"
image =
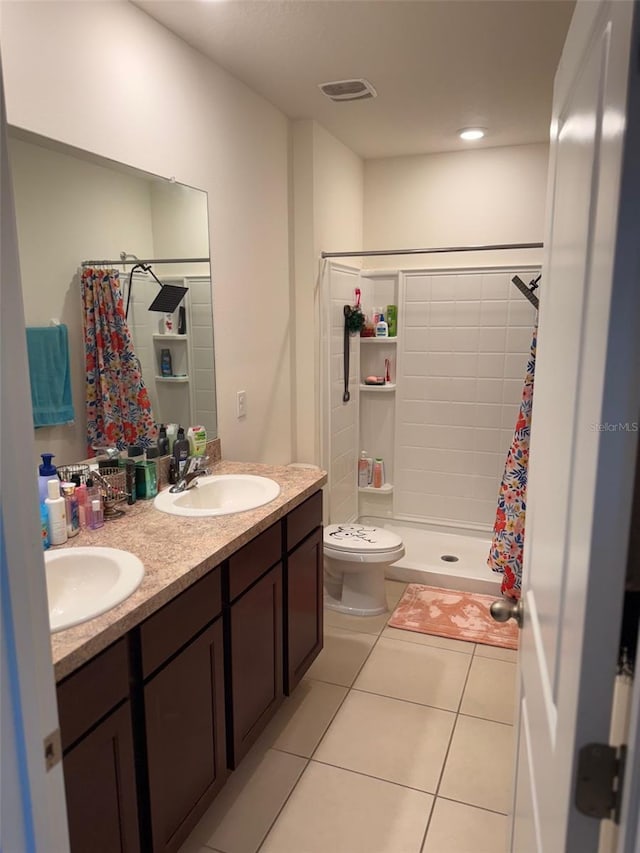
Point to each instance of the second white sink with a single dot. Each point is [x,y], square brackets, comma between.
[220,494]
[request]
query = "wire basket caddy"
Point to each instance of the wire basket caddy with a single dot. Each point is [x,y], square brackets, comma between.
[67,472]
[112,482]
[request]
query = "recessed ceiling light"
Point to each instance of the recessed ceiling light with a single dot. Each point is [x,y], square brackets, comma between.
[471,133]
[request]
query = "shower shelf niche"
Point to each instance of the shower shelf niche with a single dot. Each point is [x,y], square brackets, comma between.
[393,340]
[172,378]
[385,489]
[379,389]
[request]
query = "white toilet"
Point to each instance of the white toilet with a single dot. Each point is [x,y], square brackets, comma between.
[355,558]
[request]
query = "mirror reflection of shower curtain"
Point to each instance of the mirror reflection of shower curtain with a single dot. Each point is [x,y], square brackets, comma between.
[508,531]
[117,402]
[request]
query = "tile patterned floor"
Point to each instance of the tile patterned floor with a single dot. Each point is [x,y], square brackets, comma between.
[395,742]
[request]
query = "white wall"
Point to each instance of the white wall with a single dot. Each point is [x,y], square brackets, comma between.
[327,215]
[69,210]
[489,195]
[149,100]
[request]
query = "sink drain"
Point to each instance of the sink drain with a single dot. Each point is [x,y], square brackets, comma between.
[449,558]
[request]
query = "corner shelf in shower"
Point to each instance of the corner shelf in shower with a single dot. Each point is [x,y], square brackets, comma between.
[379,389]
[386,489]
[159,337]
[379,340]
[172,378]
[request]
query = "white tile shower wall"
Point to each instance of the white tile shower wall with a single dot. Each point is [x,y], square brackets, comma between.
[201,336]
[464,341]
[343,417]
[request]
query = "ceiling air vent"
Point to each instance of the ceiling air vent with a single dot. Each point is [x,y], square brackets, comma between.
[348,90]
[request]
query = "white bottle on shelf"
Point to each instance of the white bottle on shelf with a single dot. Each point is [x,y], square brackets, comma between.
[382,329]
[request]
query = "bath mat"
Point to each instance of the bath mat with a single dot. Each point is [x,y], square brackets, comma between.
[453,614]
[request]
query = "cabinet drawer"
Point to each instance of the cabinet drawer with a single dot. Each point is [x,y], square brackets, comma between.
[178,621]
[91,692]
[252,561]
[303,519]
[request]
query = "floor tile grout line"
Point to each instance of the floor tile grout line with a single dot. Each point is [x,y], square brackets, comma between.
[402,699]
[308,760]
[474,806]
[372,776]
[448,750]
[349,689]
[280,810]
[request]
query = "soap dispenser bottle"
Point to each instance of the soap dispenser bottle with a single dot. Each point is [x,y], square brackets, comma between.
[47,471]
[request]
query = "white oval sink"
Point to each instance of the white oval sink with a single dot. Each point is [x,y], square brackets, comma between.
[84,582]
[220,494]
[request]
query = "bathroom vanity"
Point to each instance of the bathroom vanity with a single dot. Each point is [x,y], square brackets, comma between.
[160,698]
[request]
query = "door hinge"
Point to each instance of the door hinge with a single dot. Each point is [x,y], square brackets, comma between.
[52,749]
[600,779]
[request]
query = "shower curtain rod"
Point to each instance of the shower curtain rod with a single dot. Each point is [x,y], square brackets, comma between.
[121,262]
[431,251]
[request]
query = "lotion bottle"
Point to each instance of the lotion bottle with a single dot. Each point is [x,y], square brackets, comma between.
[378,473]
[47,471]
[382,329]
[56,515]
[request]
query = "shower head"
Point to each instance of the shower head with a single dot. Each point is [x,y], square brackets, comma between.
[170,296]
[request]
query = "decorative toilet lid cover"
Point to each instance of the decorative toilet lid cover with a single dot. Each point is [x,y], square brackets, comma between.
[357,537]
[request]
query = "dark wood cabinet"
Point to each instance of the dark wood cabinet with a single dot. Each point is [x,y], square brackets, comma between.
[303,608]
[151,726]
[98,754]
[255,658]
[185,738]
[100,786]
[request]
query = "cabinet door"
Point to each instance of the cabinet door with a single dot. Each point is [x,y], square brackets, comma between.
[99,778]
[304,607]
[186,755]
[256,660]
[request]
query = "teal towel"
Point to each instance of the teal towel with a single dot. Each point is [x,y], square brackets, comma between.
[48,350]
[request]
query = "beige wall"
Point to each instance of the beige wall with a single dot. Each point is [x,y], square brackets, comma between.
[149,100]
[490,195]
[328,180]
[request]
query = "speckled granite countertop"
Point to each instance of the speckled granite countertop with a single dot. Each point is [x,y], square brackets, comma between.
[176,552]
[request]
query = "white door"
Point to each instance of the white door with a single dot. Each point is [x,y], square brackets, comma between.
[583,443]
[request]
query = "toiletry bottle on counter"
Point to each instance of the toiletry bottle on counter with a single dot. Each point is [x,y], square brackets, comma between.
[172,434]
[44,526]
[382,330]
[81,495]
[95,509]
[363,470]
[163,441]
[378,473]
[197,436]
[71,509]
[130,481]
[56,514]
[181,451]
[46,472]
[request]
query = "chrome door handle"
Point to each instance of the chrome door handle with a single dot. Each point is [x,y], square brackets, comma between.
[507,608]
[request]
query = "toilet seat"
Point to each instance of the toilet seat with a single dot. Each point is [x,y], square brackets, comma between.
[357,543]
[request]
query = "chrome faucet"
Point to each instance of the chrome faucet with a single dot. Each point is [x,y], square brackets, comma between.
[107,452]
[194,467]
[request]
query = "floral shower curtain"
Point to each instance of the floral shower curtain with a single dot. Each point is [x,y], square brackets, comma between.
[118,405]
[508,531]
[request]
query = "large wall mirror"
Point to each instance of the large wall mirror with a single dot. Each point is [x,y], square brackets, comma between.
[71,207]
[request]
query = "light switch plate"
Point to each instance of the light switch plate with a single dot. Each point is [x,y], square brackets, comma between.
[241,404]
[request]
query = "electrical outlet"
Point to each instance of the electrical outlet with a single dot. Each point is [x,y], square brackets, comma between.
[241,404]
